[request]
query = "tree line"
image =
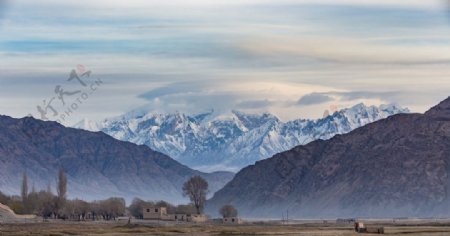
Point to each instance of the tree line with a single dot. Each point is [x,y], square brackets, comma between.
[46,204]
[43,202]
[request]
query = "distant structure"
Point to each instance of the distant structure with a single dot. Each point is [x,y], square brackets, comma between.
[345,221]
[160,213]
[360,228]
[156,213]
[232,220]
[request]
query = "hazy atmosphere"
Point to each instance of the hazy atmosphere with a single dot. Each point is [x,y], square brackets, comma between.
[291,58]
[225,117]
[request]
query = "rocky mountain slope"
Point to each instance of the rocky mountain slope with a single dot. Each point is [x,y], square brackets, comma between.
[97,165]
[211,143]
[396,167]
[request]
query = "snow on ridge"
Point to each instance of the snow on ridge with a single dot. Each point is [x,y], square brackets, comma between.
[235,141]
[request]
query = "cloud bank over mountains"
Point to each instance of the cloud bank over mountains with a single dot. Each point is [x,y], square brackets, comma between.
[290,58]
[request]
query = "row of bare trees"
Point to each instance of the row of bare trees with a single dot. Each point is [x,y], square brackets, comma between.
[48,205]
[44,202]
[108,209]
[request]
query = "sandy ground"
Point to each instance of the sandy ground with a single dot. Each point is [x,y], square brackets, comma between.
[152,228]
[7,215]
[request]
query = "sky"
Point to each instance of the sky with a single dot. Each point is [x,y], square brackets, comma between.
[69,60]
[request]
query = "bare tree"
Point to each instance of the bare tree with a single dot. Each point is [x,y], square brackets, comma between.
[62,185]
[228,211]
[116,207]
[49,187]
[136,207]
[61,189]
[75,210]
[24,191]
[112,208]
[196,189]
[46,204]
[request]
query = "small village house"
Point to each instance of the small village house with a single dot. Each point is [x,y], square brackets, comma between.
[160,213]
[156,213]
[232,220]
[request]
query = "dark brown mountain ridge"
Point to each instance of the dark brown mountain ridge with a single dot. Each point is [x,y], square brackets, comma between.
[97,165]
[396,167]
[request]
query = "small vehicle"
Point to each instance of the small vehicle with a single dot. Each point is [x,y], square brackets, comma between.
[360,228]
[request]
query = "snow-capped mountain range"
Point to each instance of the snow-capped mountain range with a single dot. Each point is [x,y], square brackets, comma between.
[210,143]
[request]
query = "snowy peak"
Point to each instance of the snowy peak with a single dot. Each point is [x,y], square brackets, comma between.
[393,107]
[362,110]
[203,116]
[360,114]
[252,121]
[211,143]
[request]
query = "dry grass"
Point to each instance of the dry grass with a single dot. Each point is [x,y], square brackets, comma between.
[113,229]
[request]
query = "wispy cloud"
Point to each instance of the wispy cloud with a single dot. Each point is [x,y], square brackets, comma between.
[150,3]
[314,99]
[254,104]
[341,50]
[292,58]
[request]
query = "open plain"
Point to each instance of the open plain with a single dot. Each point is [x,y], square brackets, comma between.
[60,228]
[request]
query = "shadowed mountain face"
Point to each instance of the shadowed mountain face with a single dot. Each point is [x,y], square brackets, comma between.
[399,166]
[97,165]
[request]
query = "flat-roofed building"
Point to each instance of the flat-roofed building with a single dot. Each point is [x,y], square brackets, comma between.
[232,220]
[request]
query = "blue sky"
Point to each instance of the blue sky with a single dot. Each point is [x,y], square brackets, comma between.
[292,58]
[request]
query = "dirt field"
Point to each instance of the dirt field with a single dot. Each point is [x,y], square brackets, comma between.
[118,228]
